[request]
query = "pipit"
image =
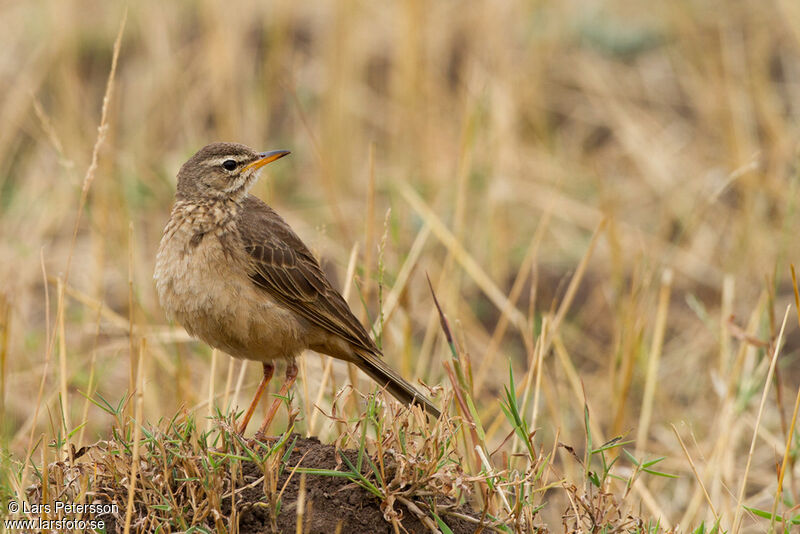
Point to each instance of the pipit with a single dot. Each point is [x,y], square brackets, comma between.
[235,275]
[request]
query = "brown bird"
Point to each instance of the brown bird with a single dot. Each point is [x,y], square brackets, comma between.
[234,274]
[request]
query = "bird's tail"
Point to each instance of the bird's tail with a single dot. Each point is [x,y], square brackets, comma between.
[398,386]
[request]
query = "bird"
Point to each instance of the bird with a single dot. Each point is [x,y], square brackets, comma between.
[236,276]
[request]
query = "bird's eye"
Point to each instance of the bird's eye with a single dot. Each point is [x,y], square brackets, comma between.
[229,164]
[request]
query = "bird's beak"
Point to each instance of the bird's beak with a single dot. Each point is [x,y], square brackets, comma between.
[266,157]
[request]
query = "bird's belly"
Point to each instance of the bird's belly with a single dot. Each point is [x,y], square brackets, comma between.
[212,296]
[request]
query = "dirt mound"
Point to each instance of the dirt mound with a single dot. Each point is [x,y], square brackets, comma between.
[299,478]
[332,504]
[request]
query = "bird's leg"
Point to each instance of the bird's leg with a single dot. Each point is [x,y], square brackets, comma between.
[269,369]
[291,376]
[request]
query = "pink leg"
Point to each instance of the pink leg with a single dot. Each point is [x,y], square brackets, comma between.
[269,369]
[291,376]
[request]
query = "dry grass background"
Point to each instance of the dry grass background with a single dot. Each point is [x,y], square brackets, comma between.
[502,136]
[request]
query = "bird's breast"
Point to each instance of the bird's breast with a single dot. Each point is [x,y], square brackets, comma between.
[202,283]
[196,270]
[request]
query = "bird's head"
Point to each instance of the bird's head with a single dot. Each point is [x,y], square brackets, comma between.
[223,170]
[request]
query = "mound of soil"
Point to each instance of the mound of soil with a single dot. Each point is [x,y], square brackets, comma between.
[195,483]
[332,504]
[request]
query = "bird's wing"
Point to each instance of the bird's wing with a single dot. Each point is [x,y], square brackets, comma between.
[284,267]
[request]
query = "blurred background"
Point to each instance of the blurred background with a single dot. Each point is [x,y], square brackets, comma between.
[482,143]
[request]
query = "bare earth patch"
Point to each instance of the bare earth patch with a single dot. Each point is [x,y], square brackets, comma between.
[217,481]
[330,503]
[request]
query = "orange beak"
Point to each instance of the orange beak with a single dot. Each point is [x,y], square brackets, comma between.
[264,158]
